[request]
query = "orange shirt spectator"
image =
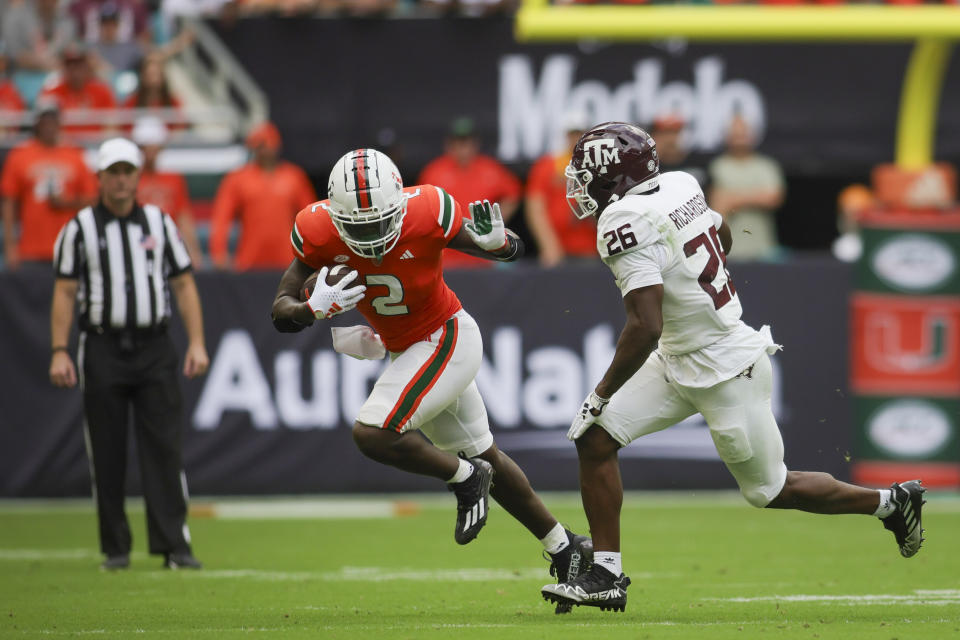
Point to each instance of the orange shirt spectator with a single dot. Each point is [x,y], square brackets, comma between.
[44,183]
[10,99]
[468,175]
[266,195]
[79,90]
[11,104]
[557,231]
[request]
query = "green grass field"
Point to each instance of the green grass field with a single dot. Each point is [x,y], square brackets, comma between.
[703,566]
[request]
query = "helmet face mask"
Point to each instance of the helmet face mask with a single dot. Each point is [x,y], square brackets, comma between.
[610,161]
[367,203]
[578,196]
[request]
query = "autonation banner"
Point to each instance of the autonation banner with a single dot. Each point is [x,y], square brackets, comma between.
[273,415]
[806,100]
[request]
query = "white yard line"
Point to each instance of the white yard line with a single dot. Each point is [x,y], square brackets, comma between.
[390,505]
[930,597]
[383,574]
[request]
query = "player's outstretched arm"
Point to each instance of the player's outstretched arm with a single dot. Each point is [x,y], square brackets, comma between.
[289,314]
[485,236]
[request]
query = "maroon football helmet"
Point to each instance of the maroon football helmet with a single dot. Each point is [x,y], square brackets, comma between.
[610,160]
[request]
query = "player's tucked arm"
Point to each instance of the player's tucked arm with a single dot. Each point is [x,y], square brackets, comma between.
[637,340]
[289,314]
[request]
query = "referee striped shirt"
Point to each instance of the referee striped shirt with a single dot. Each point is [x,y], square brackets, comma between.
[122,265]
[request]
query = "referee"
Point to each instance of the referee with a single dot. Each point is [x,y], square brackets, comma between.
[120,260]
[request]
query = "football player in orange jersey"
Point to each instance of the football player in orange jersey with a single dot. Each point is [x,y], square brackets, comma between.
[392,238]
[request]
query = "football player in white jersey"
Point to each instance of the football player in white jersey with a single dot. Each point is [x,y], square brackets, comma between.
[683,350]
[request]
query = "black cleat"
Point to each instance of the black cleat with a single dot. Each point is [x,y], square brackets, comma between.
[114,563]
[573,561]
[904,522]
[472,499]
[596,588]
[181,561]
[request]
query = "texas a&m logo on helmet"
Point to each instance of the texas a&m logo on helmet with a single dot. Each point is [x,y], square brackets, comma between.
[609,161]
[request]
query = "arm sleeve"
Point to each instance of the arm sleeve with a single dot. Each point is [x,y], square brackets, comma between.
[640,268]
[621,231]
[176,255]
[307,237]
[67,251]
[717,219]
[449,214]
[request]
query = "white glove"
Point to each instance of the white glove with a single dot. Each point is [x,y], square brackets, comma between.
[589,412]
[486,229]
[327,301]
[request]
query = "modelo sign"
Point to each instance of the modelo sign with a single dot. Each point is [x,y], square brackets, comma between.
[532,106]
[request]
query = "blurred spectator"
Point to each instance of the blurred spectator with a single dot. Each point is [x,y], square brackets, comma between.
[11,104]
[132,18]
[852,203]
[79,93]
[747,189]
[167,190]
[111,54]
[674,154]
[153,91]
[266,194]
[34,32]
[471,8]
[44,182]
[468,175]
[355,8]
[557,231]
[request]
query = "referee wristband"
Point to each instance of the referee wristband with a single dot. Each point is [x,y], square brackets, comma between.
[59,348]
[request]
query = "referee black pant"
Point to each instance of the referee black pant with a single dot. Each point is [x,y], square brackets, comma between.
[124,372]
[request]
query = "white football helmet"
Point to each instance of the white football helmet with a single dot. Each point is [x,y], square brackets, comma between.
[367,203]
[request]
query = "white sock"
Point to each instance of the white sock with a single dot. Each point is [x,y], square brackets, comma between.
[463,472]
[886,504]
[555,541]
[609,560]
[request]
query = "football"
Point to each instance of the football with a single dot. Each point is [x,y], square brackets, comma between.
[335,275]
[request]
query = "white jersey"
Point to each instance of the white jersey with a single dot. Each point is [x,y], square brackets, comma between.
[670,237]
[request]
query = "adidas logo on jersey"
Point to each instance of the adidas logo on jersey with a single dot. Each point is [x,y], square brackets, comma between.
[406,255]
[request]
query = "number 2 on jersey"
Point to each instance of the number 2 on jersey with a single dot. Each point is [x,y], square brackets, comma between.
[388,305]
[716,260]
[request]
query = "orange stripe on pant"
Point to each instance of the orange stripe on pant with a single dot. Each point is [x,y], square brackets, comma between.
[424,380]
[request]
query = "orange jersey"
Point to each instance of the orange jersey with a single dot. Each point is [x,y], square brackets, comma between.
[32,174]
[546,180]
[266,201]
[406,297]
[10,99]
[166,190]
